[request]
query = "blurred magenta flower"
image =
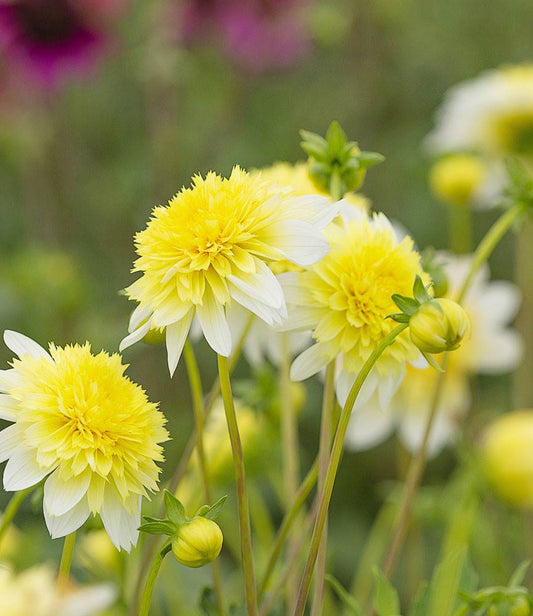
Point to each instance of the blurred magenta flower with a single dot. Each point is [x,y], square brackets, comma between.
[47,40]
[258,35]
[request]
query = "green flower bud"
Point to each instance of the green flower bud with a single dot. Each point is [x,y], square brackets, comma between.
[520,607]
[197,542]
[439,325]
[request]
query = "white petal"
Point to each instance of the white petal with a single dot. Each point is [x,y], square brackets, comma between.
[62,525]
[301,242]
[314,209]
[368,426]
[138,316]
[60,496]
[10,378]
[344,383]
[22,345]
[263,286]
[412,429]
[88,601]
[8,408]
[120,525]
[176,334]
[387,387]
[499,352]
[10,439]
[311,361]
[22,470]
[135,336]
[499,301]
[214,325]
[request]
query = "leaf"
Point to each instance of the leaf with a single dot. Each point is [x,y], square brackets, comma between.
[445,584]
[158,528]
[407,305]
[420,603]
[349,602]
[519,574]
[208,603]
[174,509]
[386,599]
[215,509]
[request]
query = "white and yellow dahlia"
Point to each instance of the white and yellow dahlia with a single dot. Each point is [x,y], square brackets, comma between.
[345,299]
[212,245]
[79,422]
[492,348]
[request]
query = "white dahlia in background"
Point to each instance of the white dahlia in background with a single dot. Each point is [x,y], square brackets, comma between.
[492,348]
[35,591]
[491,116]
[213,245]
[345,299]
[79,422]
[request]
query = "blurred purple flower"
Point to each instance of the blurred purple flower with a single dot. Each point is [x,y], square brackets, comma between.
[257,34]
[50,39]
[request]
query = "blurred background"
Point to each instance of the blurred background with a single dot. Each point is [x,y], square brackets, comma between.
[108,107]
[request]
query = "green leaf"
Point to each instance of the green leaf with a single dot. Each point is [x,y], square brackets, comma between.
[420,603]
[349,602]
[159,528]
[215,509]
[174,509]
[519,574]
[386,600]
[445,584]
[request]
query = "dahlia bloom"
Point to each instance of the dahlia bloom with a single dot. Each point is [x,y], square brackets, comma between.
[212,246]
[345,299]
[86,428]
[49,39]
[492,348]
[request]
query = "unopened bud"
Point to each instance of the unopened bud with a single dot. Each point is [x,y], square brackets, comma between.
[197,542]
[439,325]
[520,607]
[455,179]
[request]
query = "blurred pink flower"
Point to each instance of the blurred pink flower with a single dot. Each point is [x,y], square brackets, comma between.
[46,40]
[258,35]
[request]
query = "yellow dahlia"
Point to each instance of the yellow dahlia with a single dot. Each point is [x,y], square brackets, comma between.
[213,245]
[345,299]
[80,422]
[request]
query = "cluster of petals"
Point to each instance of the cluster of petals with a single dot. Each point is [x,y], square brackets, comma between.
[79,422]
[211,248]
[345,299]
[492,348]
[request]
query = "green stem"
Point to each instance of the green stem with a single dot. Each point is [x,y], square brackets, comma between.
[152,576]
[240,479]
[334,460]
[416,468]
[11,510]
[195,382]
[287,523]
[460,228]
[66,559]
[326,429]
[290,449]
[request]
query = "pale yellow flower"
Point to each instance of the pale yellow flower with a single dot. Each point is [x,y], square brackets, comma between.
[78,421]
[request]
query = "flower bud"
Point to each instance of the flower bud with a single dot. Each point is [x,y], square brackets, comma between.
[520,607]
[456,178]
[507,447]
[439,325]
[197,542]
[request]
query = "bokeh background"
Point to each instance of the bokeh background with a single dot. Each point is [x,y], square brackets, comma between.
[174,88]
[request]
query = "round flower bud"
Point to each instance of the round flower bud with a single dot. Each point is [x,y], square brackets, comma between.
[197,542]
[456,178]
[439,325]
[507,449]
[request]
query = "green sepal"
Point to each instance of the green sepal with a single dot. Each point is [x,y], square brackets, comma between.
[407,305]
[420,291]
[174,509]
[313,151]
[161,527]
[370,159]
[336,139]
[213,511]
[432,362]
[399,317]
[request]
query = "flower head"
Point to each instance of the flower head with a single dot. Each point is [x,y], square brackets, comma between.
[345,299]
[211,246]
[51,38]
[78,421]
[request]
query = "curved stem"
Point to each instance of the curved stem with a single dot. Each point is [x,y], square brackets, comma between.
[11,510]
[460,228]
[195,382]
[287,523]
[66,559]
[416,468]
[240,479]
[326,429]
[152,576]
[334,460]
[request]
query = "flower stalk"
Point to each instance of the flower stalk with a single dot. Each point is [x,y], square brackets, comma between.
[152,577]
[66,560]
[11,510]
